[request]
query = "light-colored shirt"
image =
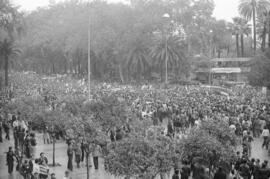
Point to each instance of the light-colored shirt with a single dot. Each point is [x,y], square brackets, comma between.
[16,123]
[265,133]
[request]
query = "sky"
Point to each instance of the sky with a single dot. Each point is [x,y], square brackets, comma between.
[225,9]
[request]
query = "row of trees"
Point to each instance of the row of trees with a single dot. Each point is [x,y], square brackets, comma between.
[127,41]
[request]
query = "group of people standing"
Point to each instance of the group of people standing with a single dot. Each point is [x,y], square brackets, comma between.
[82,151]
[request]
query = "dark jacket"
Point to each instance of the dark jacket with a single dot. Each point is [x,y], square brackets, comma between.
[256,172]
[10,157]
[244,170]
[220,175]
[185,172]
[175,176]
[264,173]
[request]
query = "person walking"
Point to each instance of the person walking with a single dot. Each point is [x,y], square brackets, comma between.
[265,134]
[6,128]
[46,137]
[96,153]
[16,137]
[78,154]
[82,149]
[27,145]
[70,156]
[10,160]
[32,146]
[21,137]
[247,139]
[257,127]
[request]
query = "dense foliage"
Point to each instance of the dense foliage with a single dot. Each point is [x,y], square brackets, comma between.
[128,41]
[136,156]
[260,70]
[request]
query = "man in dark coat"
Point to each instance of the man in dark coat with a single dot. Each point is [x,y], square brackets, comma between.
[6,128]
[220,174]
[70,156]
[176,175]
[21,136]
[244,170]
[10,160]
[185,171]
[264,172]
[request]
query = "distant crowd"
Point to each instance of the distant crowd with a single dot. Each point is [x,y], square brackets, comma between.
[177,109]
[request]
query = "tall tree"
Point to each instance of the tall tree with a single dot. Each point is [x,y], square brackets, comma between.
[250,9]
[8,49]
[138,59]
[243,28]
[236,31]
[262,22]
[260,70]
[175,53]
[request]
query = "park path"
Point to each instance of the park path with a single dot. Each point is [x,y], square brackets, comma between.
[61,157]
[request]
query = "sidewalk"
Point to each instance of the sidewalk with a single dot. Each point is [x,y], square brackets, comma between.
[60,157]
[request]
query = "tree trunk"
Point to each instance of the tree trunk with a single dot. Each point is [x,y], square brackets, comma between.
[268,29]
[254,28]
[219,53]
[87,164]
[237,44]
[242,45]
[54,150]
[263,37]
[65,69]
[121,73]
[53,68]
[161,72]
[6,69]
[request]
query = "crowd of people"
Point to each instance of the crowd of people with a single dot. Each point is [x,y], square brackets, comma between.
[180,108]
[247,113]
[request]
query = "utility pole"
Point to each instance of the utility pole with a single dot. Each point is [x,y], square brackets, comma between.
[89,64]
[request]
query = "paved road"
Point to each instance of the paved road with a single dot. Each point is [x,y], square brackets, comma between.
[257,152]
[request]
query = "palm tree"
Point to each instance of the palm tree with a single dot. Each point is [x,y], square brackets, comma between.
[240,28]
[262,22]
[249,9]
[244,30]
[236,31]
[138,58]
[8,49]
[175,54]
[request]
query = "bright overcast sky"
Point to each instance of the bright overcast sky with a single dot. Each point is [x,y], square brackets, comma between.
[225,9]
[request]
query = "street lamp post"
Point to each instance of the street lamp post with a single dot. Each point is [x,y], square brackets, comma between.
[89,64]
[166,51]
[210,56]
[166,60]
